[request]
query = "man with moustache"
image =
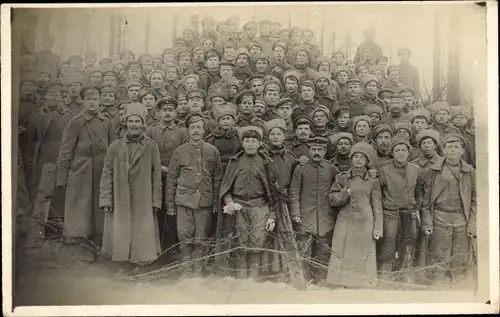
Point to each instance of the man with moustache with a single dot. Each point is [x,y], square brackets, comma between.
[246,105]
[308,103]
[382,135]
[272,91]
[168,136]
[342,142]
[157,80]
[108,101]
[279,64]
[429,145]
[85,139]
[302,126]
[193,182]
[310,209]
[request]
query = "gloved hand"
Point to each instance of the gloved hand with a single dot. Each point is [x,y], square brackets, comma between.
[231,208]
[297,220]
[270,223]
[164,169]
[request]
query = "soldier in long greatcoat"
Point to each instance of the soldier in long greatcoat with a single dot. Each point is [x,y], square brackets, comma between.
[85,140]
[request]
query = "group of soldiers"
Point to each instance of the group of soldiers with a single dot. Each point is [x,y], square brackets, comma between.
[230,139]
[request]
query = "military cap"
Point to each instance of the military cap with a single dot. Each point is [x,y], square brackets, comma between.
[302,48]
[318,141]
[168,51]
[354,80]
[167,101]
[120,62]
[406,90]
[453,137]
[254,43]
[203,40]
[401,50]
[283,101]
[428,133]
[383,91]
[134,64]
[159,71]
[308,83]
[197,48]
[397,102]
[242,130]
[54,84]
[108,88]
[357,119]
[302,120]
[174,65]
[369,78]
[359,67]
[90,90]
[254,78]
[28,77]
[319,75]
[94,70]
[264,57]
[146,91]
[268,78]
[134,84]
[109,72]
[391,68]
[397,141]
[192,118]
[242,51]
[437,106]
[180,96]
[280,44]
[229,44]
[136,109]
[342,135]
[272,85]
[183,52]
[337,53]
[364,148]
[106,59]
[320,108]
[233,81]
[381,127]
[274,123]
[372,108]
[200,93]
[461,110]
[195,76]
[420,113]
[340,69]
[212,53]
[340,110]
[218,92]
[400,125]
[245,93]
[224,109]
[292,73]
[377,68]
[226,63]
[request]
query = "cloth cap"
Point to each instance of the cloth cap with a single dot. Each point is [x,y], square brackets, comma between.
[108,88]
[242,51]
[381,127]
[195,93]
[372,108]
[195,76]
[318,141]
[167,101]
[242,130]
[109,72]
[428,133]
[403,124]
[437,106]
[280,44]
[292,73]
[302,120]
[364,148]
[105,59]
[168,51]
[354,80]
[136,108]
[43,69]
[244,93]
[406,91]
[340,69]
[321,108]
[308,83]
[385,91]
[359,67]
[397,102]
[453,137]
[319,75]
[357,119]
[212,53]
[254,43]
[340,110]
[421,112]
[146,91]
[180,96]
[218,92]
[260,101]
[157,71]
[461,110]
[392,68]
[182,53]
[174,65]
[272,85]
[134,83]
[396,141]
[198,48]
[55,84]
[192,118]
[90,90]
[224,109]
[283,101]
[342,135]
[255,77]
[226,64]
[134,64]
[369,78]
[274,123]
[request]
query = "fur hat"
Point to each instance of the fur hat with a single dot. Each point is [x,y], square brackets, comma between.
[428,133]
[396,141]
[224,109]
[364,148]
[275,123]
[242,130]
[342,135]
[136,108]
[421,112]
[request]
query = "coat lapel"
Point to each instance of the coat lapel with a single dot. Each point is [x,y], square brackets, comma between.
[138,154]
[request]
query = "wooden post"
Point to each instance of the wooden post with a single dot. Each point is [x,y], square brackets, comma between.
[453,88]
[436,77]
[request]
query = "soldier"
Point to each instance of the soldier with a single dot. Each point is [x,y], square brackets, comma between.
[283,109]
[246,103]
[262,65]
[85,140]
[341,76]
[157,81]
[248,192]
[409,98]
[182,109]
[265,37]
[173,85]
[120,69]
[369,45]
[308,103]
[157,62]
[212,62]
[227,73]
[43,78]
[28,103]
[374,112]
[326,94]
[310,209]
[108,101]
[379,74]
[148,98]
[255,50]
[130,194]
[133,89]
[353,97]
[382,136]
[279,64]
[208,43]
[323,65]
[369,96]
[342,142]
[386,95]
[429,145]
[394,82]
[361,127]
[95,77]
[191,82]
[105,64]
[193,183]
[402,189]
[272,92]
[382,62]
[260,107]
[440,111]
[419,119]
[302,127]
[342,120]
[395,112]
[168,55]
[198,59]
[228,52]
[409,74]
[303,63]
[242,69]
[185,62]
[361,71]
[321,116]
[127,56]
[460,117]
[291,81]
[275,31]
[449,212]
[256,84]
[196,103]
[110,78]
[403,130]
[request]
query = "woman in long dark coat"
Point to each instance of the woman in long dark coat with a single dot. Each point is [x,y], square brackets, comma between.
[353,262]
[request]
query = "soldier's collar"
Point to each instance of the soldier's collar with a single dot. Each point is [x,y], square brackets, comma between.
[314,163]
[57,108]
[31,97]
[219,132]
[69,100]
[135,138]
[87,115]
[362,174]
[170,126]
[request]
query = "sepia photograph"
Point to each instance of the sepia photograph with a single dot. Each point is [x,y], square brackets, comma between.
[250,158]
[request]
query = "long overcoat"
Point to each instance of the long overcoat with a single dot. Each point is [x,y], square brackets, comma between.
[79,166]
[131,189]
[353,262]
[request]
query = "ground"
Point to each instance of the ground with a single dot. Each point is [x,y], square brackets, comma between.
[52,274]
